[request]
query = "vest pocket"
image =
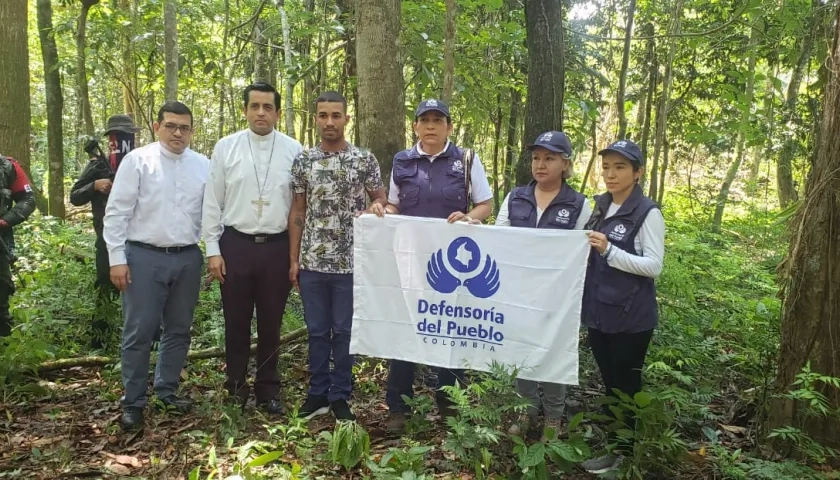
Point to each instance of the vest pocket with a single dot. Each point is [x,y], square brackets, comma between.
[409,196]
[616,289]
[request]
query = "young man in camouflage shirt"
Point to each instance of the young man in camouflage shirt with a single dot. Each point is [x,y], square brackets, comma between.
[330,182]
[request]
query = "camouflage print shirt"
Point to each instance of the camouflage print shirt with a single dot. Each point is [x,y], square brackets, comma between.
[335,184]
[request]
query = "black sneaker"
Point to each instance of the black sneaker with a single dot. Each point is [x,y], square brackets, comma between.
[313,406]
[342,411]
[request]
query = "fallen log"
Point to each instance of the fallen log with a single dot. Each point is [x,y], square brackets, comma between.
[98,361]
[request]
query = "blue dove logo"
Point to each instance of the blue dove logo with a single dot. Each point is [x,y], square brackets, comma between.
[464,256]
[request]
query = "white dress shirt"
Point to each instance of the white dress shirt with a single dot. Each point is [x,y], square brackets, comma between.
[649,243]
[156,199]
[479,185]
[236,179]
[503,217]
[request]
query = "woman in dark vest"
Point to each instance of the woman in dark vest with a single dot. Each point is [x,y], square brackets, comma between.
[433,179]
[546,202]
[619,299]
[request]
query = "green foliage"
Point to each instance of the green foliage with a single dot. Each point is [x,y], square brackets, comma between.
[348,444]
[404,463]
[533,460]
[420,406]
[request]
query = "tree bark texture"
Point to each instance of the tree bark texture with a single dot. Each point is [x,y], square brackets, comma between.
[622,78]
[449,51]
[55,109]
[15,114]
[84,115]
[170,49]
[381,109]
[289,111]
[811,277]
[546,75]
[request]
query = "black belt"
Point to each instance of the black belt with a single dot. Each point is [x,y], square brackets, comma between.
[259,237]
[147,246]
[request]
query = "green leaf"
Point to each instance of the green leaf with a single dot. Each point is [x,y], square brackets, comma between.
[534,456]
[642,399]
[265,458]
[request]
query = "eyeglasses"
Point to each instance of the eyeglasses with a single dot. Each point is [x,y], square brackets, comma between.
[171,127]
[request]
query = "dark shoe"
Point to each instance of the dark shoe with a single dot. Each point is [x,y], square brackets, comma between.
[176,404]
[395,423]
[272,407]
[132,419]
[342,411]
[313,406]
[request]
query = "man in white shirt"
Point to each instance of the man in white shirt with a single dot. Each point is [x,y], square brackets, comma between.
[246,212]
[152,229]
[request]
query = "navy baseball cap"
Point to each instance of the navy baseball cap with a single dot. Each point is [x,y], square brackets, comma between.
[626,148]
[555,141]
[432,105]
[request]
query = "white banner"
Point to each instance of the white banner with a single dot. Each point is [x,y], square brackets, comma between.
[462,296]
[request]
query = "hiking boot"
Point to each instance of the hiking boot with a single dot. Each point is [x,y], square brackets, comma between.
[132,419]
[602,464]
[314,406]
[272,406]
[342,411]
[176,404]
[532,428]
[395,423]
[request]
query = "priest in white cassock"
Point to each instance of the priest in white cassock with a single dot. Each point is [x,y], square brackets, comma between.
[245,219]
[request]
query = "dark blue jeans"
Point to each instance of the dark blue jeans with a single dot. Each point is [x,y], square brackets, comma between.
[328,312]
[401,382]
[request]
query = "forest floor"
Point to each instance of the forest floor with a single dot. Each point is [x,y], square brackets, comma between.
[72,430]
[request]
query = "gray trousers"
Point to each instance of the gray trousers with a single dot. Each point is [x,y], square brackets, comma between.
[553,400]
[163,292]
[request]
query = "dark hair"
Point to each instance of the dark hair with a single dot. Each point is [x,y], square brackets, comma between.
[261,87]
[331,97]
[176,108]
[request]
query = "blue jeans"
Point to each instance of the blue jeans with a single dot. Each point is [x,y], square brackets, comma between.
[328,312]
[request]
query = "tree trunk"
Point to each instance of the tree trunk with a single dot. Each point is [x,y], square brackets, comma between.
[55,109]
[784,167]
[511,150]
[84,115]
[222,72]
[664,98]
[14,82]
[622,78]
[449,52]
[546,75]
[811,311]
[666,156]
[497,140]
[348,80]
[769,119]
[170,49]
[381,114]
[289,111]
[593,137]
[653,81]
[746,122]
[262,58]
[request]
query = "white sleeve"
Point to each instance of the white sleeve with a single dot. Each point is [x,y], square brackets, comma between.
[214,198]
[585,213]
[393,191]
[478,182]
[503,218]
[652,240]
[120,208]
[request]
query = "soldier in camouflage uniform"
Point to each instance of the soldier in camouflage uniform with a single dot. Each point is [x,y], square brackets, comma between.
[17,202]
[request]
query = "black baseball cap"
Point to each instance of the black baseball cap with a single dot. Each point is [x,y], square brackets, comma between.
[432,105]
[555,141]
[626,148]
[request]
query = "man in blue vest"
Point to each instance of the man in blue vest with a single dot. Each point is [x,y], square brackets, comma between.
[433,179]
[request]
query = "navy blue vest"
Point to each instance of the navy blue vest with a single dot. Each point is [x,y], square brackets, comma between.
[615,301]
[431,189]
[562,212]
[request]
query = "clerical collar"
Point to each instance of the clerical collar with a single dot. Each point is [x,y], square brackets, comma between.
[424,154]
[261,138]
[169,153]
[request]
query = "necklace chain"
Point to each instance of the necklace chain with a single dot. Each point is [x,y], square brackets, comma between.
[254,161]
